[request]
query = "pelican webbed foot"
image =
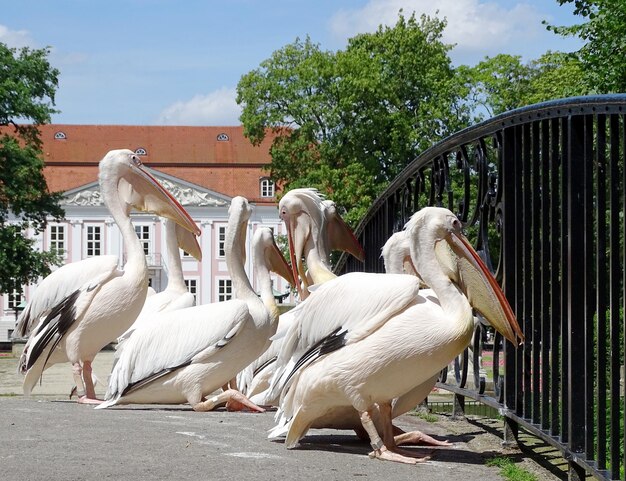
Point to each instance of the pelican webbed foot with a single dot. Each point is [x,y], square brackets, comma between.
[399,456]
[234,400]
[417,438]
[88,400]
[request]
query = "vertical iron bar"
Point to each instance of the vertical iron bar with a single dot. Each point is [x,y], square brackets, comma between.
[546,367]
[525,273]
[510,179]
[565,264]
[555,281]
[535,251]
[614,272]
[589,233]
[575,287]
[601,269]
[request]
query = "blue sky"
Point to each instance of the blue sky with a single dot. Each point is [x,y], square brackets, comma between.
[173,62]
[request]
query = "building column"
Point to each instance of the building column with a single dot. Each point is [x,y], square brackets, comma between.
[206,266]
[75,241]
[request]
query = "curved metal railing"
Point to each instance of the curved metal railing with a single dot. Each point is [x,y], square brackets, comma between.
[540,191]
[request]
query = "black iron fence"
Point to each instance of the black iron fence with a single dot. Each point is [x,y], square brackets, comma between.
[540,191]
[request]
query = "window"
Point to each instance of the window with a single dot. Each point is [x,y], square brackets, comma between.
[224,289]
[93,240]
[221,241]
[141,151]
[57,239]
[60,136]
[192,287]
[13,300]
[143,233]
[223,137]
[267,188]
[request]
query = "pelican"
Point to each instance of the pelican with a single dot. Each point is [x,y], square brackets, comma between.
[83,306]
[187,354]
[396,254]
[175,295]
[362,340]
[315,227]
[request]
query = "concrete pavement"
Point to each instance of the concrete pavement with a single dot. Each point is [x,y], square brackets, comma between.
[47,437]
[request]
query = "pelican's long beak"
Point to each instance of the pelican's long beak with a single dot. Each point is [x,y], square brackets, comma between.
[278,264]
[188,242]
[342,238]
[141,190]
[297,233]
[481,289]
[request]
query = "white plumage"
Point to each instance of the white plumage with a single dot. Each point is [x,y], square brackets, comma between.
[83,306]
[175,295]
[314,228]
[362,340]
[187,354]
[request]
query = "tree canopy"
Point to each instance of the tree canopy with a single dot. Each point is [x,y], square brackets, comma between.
[503,82]
[603,54]
[350,121]
[27,87]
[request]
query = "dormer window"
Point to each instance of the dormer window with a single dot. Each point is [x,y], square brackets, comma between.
[60,136]
[223,137]
[267,187]
[141,151]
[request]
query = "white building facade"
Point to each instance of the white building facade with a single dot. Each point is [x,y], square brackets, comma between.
[89,230]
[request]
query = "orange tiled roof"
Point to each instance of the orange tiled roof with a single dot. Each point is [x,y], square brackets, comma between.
[218,158]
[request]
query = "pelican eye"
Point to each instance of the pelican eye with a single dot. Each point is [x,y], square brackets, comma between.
[135,160]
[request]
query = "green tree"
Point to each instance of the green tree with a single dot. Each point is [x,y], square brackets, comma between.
[603,32]
[501,83]
[349,121]
[496,84]
[27,87]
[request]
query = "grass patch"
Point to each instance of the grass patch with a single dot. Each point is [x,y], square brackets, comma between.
[426,416]
[9,394]
[509,470]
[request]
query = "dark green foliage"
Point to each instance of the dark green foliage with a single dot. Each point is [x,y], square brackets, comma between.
[27,87]
[604,51]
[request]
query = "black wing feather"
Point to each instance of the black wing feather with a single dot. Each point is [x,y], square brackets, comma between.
[56,324]
[334,341]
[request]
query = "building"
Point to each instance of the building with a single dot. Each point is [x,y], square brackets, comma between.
[203,167]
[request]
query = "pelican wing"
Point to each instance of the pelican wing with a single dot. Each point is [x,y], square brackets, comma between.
[173,340]
[164,301]
[339,312]
[60,284]
[55,325]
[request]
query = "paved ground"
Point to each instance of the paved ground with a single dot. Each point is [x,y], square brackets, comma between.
[48,437]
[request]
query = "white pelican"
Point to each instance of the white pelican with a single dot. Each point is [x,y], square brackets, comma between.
[190,353]
[175,295]
[78,315]
[362,340]
[396,254]
[315,228]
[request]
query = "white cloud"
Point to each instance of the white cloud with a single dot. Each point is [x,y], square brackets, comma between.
[216,108]
[475,26]
[16,38]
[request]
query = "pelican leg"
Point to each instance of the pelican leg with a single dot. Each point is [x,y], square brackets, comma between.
[77,373]
[89,393]
[380,451]
[235,401]
[391,452]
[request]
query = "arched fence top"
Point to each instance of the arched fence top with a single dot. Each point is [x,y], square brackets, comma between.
[599,104]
